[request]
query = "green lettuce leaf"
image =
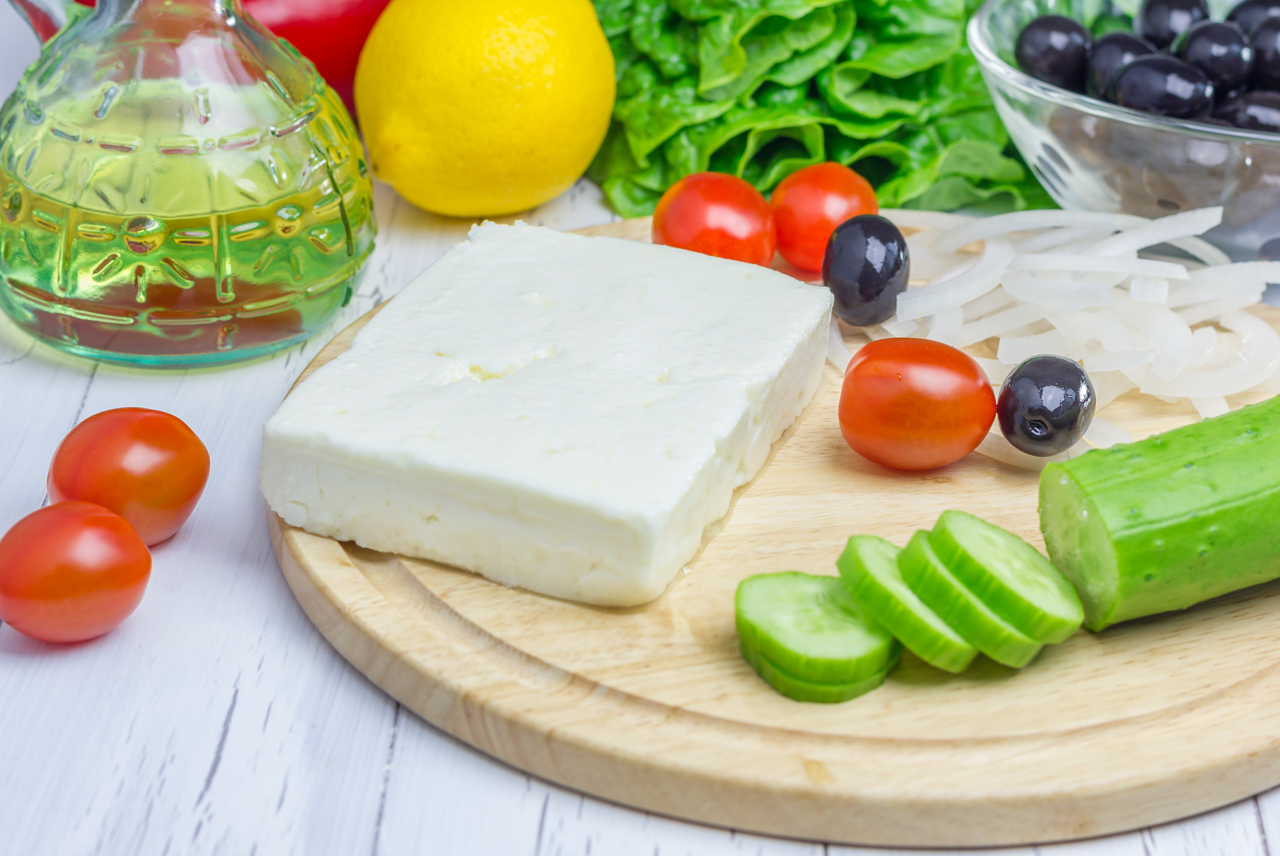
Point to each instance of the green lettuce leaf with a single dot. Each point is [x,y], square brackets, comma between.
[721,54]
[652,110]
[761,88]
[668,40]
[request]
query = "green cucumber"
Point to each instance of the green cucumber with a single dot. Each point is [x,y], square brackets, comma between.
[961,608]
[811,627]
[869,565]
[1169,521]
[1008,575]
[801,690]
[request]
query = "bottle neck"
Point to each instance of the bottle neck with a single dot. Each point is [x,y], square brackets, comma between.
[114,10]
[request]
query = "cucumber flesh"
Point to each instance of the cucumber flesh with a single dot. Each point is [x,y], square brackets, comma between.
[1008,575]
[1169,521]
[802,690]
[869,565]
[811,627]
[961,608]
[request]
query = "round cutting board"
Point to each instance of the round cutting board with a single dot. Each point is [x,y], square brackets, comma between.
[653,706]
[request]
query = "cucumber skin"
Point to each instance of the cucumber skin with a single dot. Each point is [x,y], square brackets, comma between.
[961,608]
[1170,521]
[992,590]
[901,619]
[798,689]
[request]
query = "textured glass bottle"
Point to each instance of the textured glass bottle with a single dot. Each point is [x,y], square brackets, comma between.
[177,186]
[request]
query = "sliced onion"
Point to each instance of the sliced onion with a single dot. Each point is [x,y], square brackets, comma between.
[1069,263]
[1149,290]
[1067,293]
[1183,225]
[989,303]
[1015,349]
[996,447]
[997,325]
[1201,249]
[837,352]
[894,327]
[1204,344]
[1023,221]
[1108,386]
[1211,407]
[973,283]
[1097,360]
[1206,311]
[944,326]
[1115,335]
[1081,325]
[1258,360]
[1263,272]
[1053,238]
[1076,286]
[1102,434]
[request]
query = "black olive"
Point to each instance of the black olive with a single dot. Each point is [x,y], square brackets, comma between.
[1162,21]
[1255,111]
[1248,14]
[1109,54]
[1054,49]
[1045,405]
[1264,38]
[1158,83]
[866,265]
[1221,51]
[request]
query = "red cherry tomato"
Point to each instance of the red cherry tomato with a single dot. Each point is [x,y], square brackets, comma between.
[809,204]
[716,214]
[145,465]
[71,571]
[914,404]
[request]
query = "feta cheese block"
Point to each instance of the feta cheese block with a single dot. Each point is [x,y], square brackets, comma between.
[557,412]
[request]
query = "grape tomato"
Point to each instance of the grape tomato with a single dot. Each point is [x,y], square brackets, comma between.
[717,215]
[810,203]
[145,465]
[914,404]
[70,572]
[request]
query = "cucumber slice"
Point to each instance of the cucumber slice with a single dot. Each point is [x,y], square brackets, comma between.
[961,608]
[869,565]
[811,627]
[801,690]
[1009,575]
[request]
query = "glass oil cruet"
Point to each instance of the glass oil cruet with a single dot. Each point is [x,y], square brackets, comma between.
[177,186]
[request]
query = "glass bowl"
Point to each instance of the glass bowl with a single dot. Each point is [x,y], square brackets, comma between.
[1097,156]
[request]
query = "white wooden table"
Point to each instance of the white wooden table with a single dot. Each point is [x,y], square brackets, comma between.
[217,720]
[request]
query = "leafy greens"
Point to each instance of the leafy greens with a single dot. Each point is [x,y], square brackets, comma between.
[761,88]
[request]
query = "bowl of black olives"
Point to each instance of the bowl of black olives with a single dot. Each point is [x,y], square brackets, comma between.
[1172,108]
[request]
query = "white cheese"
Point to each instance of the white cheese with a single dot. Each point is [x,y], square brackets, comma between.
[557,412]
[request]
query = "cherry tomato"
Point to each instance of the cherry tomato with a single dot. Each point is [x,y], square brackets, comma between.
[145,465]
[809,204]
[716,214]
[914,404]
[71,571]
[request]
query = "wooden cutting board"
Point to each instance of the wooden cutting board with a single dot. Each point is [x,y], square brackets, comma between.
[653,706]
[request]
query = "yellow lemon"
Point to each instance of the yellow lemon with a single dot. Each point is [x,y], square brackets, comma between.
[484,107]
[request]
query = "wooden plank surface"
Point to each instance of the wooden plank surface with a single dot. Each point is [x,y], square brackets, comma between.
[654,707]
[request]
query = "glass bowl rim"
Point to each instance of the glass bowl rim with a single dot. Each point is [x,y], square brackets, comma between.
[992,63]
